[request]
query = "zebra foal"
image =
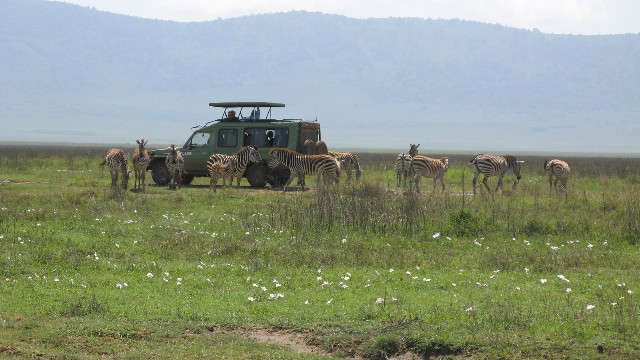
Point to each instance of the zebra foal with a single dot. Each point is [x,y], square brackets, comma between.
[403,162]
[238,161]
[495,165]
[558,169]
[116,160]
[300,165]
[349,163]
[428,167]
[140,159]
[175,165]
[219,170]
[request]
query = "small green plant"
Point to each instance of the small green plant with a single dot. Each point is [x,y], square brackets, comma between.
[463,222]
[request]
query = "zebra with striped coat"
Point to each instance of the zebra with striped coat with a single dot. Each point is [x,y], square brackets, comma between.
[240,161]
[219,170]
[495,165]
[175,165]
[116,160]
[403,162]
[140,159]
[558,169]
[300,165]
[428,167]
[349,163]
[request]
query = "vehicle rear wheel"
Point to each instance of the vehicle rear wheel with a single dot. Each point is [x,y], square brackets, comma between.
[160,173]
[257,176]
[279,176]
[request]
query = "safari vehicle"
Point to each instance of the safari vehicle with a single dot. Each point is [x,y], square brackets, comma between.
[230,133]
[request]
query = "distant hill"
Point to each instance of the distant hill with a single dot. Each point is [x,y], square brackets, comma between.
[76,74]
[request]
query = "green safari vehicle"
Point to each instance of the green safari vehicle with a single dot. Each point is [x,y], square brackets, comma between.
[241,124]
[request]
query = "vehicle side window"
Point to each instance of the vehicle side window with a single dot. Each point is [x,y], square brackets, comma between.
[281,138]
[200,140]
[254,136]
[228,137]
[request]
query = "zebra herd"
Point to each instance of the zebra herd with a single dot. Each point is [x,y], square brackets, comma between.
[413,167]
[327,165]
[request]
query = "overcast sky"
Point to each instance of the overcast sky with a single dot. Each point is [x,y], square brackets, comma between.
[550,16]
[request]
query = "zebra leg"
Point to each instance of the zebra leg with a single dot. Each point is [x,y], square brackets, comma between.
[284,188]
[484,181]
[435,184]
[475,178]
[550,183]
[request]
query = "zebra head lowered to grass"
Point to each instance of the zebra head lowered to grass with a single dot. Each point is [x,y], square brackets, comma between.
[240,161]
[558,169]
[116,160]
[175,166]
[495,165]
[324,166]
[428,167]
[348,163]
[140,159]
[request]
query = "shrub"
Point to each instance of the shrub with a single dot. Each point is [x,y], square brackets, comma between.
[462,222]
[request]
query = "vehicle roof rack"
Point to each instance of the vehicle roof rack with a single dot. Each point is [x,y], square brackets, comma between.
[237,104]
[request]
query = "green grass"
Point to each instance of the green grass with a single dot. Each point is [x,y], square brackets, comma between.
[87,273]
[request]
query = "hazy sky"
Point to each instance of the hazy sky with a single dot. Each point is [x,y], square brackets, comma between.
[550,16]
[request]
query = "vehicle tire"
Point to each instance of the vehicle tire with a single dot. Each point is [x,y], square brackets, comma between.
[257,175]
[160,173]
[187,179]
[279,176]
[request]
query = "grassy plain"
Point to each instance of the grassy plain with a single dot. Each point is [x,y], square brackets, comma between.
[361,271]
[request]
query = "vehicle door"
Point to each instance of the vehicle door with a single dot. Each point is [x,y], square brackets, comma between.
[196,152]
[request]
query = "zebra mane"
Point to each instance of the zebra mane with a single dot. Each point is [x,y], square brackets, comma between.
[510,159]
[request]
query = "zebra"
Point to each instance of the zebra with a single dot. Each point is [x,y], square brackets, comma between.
[240,161]
[301,165]
[560,169]
[403,162]
[219,170]
[490,165]
[140,159]
[425,166]
[116,160]
[348,162]
[175,165]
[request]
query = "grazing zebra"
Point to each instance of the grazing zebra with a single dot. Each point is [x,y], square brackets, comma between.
[560,169]
[219,170]
[240,161]
[402,164]
[116,160]
[309,148]
[491,165]
[348,162]
[175,165]
[140,159]
[321,148]
[301,165]
[425,166]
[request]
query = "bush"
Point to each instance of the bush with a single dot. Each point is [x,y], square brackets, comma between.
[462,222]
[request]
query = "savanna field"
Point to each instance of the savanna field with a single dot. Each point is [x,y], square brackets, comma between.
[355,271]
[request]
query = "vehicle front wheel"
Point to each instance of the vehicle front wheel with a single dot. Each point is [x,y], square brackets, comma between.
[257,176]
[160,173]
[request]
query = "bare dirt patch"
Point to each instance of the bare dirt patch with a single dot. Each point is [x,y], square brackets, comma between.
[299,342]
